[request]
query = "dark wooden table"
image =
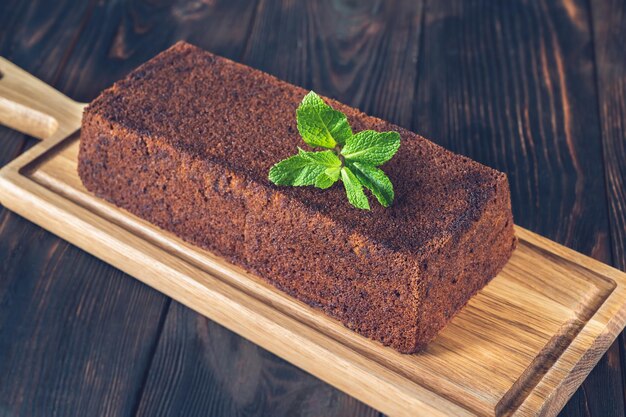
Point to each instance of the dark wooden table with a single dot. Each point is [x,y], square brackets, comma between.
[534,88]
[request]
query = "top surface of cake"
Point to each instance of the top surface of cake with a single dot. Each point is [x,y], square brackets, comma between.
[178,96]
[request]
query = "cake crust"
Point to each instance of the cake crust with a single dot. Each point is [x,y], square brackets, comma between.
[186,142]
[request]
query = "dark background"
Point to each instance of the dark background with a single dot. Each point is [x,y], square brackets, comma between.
[534,88]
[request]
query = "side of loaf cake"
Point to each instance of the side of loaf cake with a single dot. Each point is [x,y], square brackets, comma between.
[186,142]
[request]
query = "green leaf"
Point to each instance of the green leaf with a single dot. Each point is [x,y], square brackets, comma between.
[374,180]
[320,125]
[371,147]
[354,189]
[303,168]
[328,177]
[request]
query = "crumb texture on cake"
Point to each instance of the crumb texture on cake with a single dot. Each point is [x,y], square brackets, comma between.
[186,141]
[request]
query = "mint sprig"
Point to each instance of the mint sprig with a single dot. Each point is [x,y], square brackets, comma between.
[352,158]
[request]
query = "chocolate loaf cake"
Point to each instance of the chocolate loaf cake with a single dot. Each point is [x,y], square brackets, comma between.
[186,142]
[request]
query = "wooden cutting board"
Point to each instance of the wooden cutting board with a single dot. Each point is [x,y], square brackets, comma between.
[521,347]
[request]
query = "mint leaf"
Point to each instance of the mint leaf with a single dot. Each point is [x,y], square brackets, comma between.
[303,168]
[374,180]
[354,189]
[371,147]
[328,177]
[320,125]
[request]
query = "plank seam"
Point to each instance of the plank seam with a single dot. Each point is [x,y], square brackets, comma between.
[418,66]
[247,39]
[72,46]
[152,355]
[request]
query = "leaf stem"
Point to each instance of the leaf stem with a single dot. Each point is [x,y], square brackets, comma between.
[337,150]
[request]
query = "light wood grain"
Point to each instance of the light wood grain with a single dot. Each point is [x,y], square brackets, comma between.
[521,346]
[31,106]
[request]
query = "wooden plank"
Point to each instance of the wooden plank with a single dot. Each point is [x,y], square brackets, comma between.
[512,85]
[361,53]
[201,369]
[121,35]
[609,19]
[366,56]
[609,24]
[38,36]
[66,346]
[62,352]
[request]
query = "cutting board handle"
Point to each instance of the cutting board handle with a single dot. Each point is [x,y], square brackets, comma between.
[31,106]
